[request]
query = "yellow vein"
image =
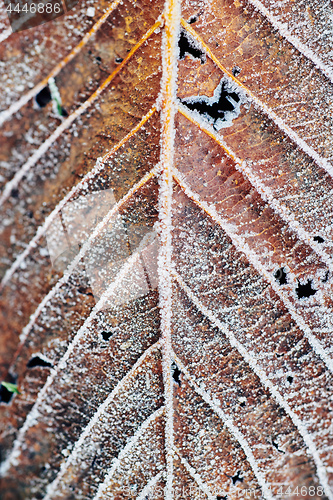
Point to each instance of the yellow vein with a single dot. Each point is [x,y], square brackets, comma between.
[34,414]
[5,115]
[85,248]
[101,493]
[97,168]
[234,431]
[168,95]
[264,192]
[322,162]
[66,123]
[96,421]
[266,382]
[240,244]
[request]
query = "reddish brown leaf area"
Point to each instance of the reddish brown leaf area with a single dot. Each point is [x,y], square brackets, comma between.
[166,242]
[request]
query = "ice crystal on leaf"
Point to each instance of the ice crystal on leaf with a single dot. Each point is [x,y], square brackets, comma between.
[166,252]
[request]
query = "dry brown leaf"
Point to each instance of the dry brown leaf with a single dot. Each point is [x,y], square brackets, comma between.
[166,252]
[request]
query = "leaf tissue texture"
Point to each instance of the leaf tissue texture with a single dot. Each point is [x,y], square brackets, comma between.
[166,245]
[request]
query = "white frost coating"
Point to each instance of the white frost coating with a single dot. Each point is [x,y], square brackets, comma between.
[131,443]
[16,106]
[5,34]
[203,486]
[41,231]
[243,247]
[31,419]
[252,362]
[301,47]
[266,193]
[52,488]
[146,490]
[168,98]
[85,248]
[237,435]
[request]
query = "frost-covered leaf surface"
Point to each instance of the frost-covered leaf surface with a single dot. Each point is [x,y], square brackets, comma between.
[166,249]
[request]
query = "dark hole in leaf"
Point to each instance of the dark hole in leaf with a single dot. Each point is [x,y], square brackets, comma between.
[98,59]
[290,379]
[243,403]
[119,60]
[237,477]
[37,361]
[276,446]
[221,498]
[106,335]
[63,112]
[279,355]
[236,70]
[319,239]
[187,45]
[324,280]
[214,108]
[281,276]
[43,97]
[305,290]
[175,373]
[192,20]
[14,193]
[5,394]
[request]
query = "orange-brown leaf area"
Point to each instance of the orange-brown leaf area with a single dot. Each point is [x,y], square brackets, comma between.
[166,238]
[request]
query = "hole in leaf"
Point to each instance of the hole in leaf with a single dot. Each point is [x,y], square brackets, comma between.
[219,497]
[119,60]
[106,335]
[276,446]
[38,361]
[236,71]
[319,239]
[290,379]
[98,59]
[43,97]
[279,354]
[5,394]
[220,109]
[14,193]
[305,290]
[324,280]
[237,477]
[281,276]
[187,45]
[243,403]
[175,373]
[192,20]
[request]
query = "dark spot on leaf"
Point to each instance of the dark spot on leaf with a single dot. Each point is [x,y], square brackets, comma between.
[175,373]
[290,379]
[319,239]
[187,45]
[43,97]
[84,291]
[214,108]
[14,193]
[324,280]
[106,335]
[119,60]
[281,276]
[30,214]
[279,354]
[192,20]
[305,290]
[236,70]
[98,59]
[63,112]
[5,394]
[237,477]
[37,361]
[276,446]
[243,403]
[219,497]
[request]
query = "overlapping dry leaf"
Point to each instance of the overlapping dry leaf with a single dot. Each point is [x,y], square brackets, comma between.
[168,339]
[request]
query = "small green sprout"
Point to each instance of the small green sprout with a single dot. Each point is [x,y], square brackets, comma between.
[11,387]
